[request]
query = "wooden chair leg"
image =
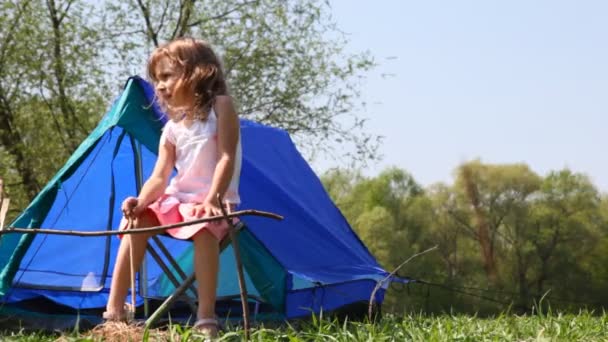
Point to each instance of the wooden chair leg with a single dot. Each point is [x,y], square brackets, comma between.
[3,211]
[242,285]
[232,231]
[4,202]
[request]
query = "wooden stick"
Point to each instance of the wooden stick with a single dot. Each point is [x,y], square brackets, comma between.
[248,212]
[239,267]
[132,309]
[4,201]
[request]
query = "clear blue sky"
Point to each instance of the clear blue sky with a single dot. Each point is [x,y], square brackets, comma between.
[504,81]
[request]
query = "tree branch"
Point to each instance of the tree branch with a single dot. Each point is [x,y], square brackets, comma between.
[185,11]
[65,11]
[11,139]
[462,223]
[52,111]
[162,17]
[146,13]
[228,69]
[11,30]
[59,72]
[224,14]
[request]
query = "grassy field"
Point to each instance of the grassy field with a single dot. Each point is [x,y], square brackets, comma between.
[550,327]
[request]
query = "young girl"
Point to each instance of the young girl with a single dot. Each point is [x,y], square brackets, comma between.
[202,142]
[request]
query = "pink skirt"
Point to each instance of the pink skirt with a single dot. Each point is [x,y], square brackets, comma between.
[169,210]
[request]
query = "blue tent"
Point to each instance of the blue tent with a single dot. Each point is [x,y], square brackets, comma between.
[310,261]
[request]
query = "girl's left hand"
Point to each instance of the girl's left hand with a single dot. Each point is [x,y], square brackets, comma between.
[206,209]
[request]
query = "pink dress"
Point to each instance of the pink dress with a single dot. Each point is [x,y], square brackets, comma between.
[195,161]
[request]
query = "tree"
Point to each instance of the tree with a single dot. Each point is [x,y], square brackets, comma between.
[389,214]
[379,210]
[565,225]
[62,62]
[52,89]
[493,192]
[14,25]
[547,235]
[284,60]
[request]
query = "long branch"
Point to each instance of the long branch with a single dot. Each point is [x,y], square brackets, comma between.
[248,212]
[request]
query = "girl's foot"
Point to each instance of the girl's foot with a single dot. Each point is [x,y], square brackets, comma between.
[115,316]
[125,315]
[206,326]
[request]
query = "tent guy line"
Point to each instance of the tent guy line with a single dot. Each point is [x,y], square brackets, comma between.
[249,212]
[389,276]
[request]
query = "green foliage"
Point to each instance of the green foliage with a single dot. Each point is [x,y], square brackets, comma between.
[62,63]
[51,90]
[547,236]
[284,60]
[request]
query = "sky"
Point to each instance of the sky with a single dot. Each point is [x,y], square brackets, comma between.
[503,81]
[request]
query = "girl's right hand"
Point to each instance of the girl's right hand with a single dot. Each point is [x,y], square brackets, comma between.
[130,208]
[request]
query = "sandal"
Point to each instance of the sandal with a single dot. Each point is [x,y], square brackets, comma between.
[207,326]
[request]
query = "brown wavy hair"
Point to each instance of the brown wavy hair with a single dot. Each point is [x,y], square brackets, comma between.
[201,69]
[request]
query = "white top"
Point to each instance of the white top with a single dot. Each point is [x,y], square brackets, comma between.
[196,155]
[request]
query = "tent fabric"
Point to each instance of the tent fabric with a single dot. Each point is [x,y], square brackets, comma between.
[310,261]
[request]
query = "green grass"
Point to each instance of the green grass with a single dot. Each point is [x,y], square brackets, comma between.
[550,327]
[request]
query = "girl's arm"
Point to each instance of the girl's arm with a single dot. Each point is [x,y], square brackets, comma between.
[227,139]
[155,186]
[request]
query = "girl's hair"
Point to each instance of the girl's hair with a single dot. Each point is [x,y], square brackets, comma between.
[201,69]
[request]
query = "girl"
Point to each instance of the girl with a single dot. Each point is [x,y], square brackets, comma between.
[202,142]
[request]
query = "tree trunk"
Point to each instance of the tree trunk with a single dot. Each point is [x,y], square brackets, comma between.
[483,229]
[12,141]
[71,121]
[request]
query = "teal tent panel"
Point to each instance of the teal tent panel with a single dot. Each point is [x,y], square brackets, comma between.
[267,273]
[227,277]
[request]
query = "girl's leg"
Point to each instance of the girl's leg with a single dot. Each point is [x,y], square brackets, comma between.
[121,276]
[206,264]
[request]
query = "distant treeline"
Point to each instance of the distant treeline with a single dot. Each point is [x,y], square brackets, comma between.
[508,238]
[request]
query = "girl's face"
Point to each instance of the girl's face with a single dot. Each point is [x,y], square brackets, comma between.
[169,86]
